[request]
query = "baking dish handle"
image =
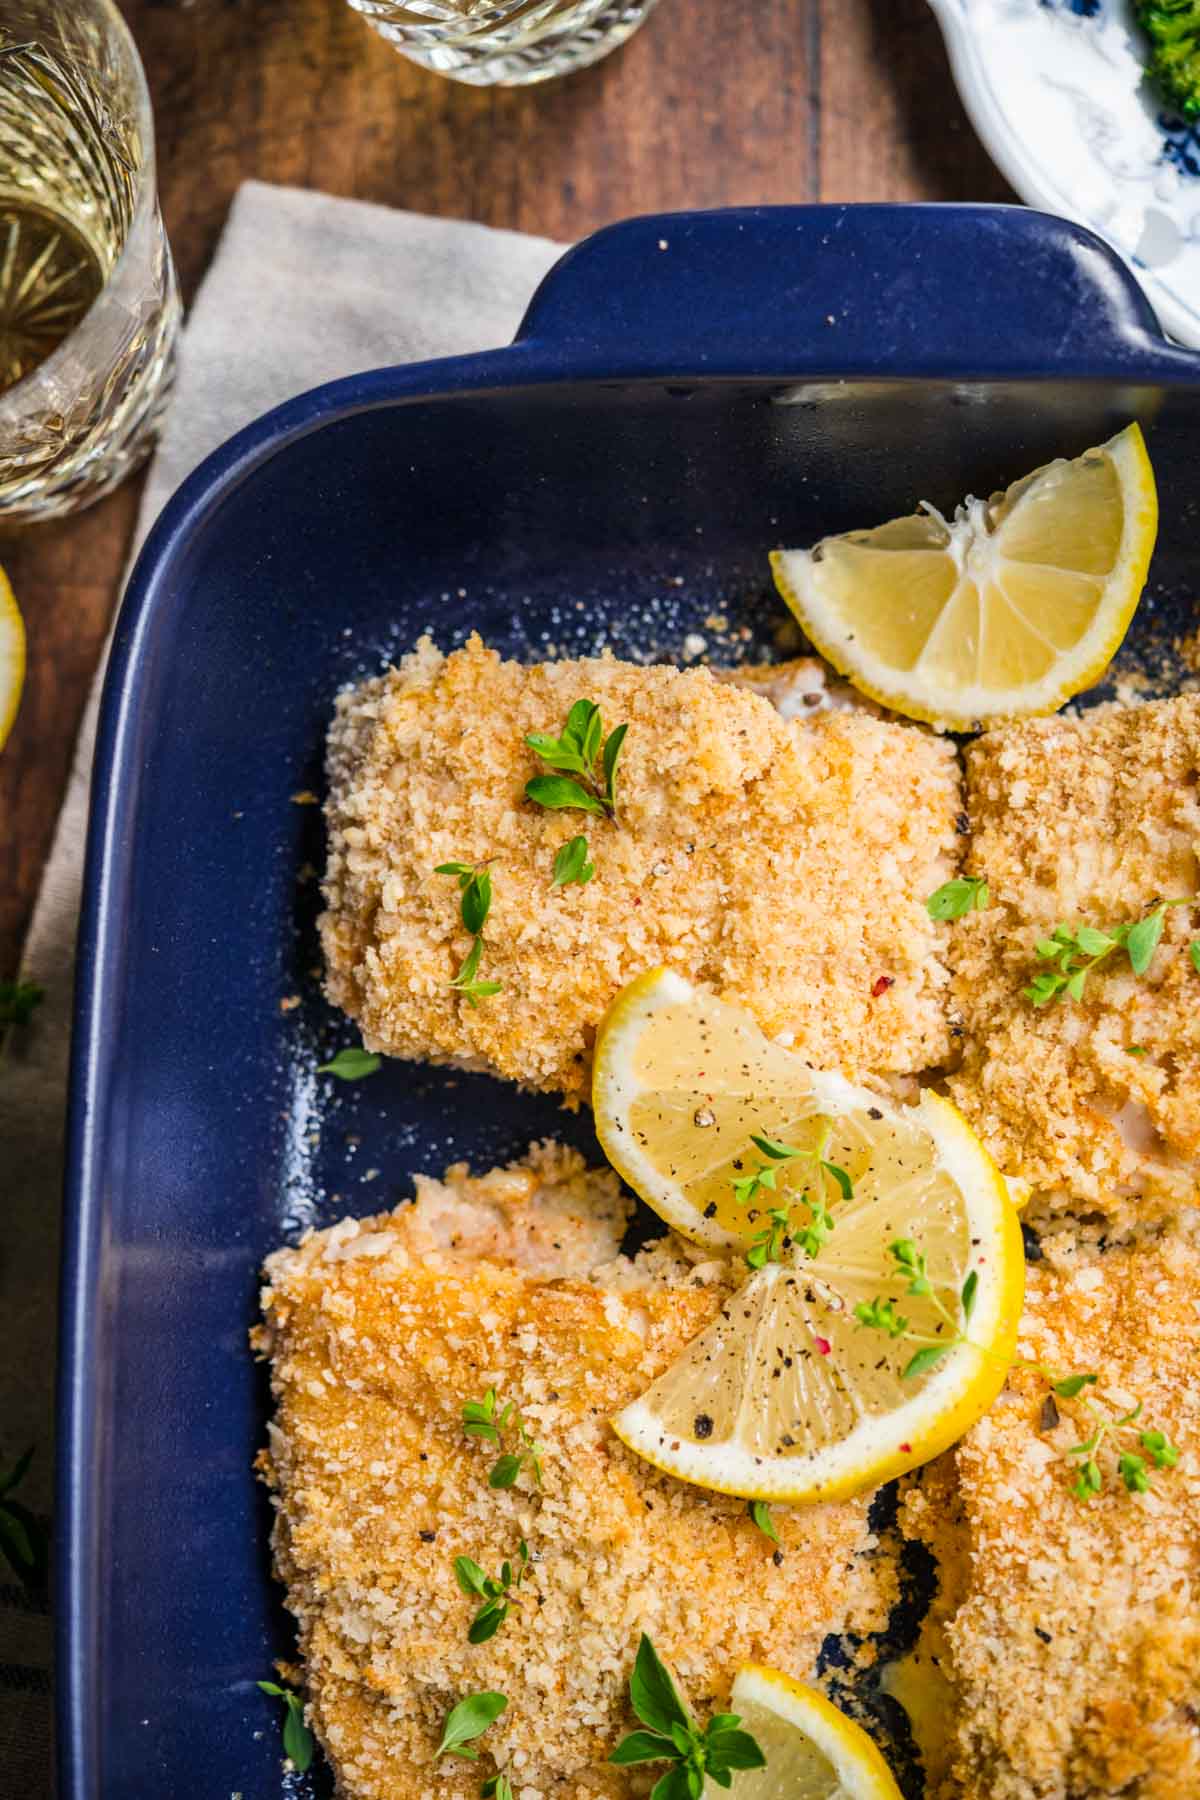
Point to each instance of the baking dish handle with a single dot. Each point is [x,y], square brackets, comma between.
[933,291]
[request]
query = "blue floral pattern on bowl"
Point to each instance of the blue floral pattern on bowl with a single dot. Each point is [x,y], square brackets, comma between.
[1057,91]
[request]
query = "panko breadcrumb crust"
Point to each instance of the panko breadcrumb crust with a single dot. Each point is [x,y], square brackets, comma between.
[1072,1629]
[1085,821]
[786,863]
[378,1331]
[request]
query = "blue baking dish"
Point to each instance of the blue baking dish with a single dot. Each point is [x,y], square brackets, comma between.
[684,393]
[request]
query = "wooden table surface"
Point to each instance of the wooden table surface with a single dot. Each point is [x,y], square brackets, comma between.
[710,104]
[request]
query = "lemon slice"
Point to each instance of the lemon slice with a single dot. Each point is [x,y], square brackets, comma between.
[1017,603]
[813,1751]
[12,657]
[787,1395]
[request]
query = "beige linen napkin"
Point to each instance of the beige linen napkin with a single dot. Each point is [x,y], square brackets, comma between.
[303,288]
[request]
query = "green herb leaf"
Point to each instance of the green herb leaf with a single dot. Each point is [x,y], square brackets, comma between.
[477,902]
[467,1721]
[504,1472]
[1135,1049]
[954,899]
[969,1287]
[882,1316]
[653,1694]
[729,1748]
[571,863]
[841,1177]
[469,1576]
[559,794]
[487,1621]
[583,724]
[471,989]
[297,1738]
[18,1000]
[497,1785]
[1132,1470]
[351,1064]
[772,1147]
[1093,942]
[612,751]
[1194,953]
[1142,941]
[1071,1385]
[924,1359]
[1088,1481]
[556,752]
[760,1512]
[1163,1453]
[463,870]
[679,1783]
[641,1747]
[479,1417]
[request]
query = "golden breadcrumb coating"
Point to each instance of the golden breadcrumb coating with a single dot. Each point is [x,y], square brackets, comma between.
[1073,1628]
[378,1331]
[1085,821]
[787,864]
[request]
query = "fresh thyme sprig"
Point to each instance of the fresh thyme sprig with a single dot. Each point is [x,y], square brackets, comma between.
[475,903]
[1131,1467]
[497,1787]
[488,1420]
[571,863]
[297,1738]
[468,1721]
[881,1315]
[582,751]
[1071,952]
[781,1230]
[954,899]
[673,1736]
[493,1591]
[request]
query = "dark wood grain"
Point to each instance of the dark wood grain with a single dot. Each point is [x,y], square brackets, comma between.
[711,104]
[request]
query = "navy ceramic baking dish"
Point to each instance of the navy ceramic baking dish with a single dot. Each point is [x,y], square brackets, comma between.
[685,393]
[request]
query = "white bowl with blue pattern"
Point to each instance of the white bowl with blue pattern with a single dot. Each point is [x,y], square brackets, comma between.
[1057,91]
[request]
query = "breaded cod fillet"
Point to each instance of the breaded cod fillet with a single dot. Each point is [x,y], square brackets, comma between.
[1070,1629]
[378,1331]
[785,863]
[1085,821]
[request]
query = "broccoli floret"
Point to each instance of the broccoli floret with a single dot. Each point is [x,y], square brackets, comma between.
[1173,27]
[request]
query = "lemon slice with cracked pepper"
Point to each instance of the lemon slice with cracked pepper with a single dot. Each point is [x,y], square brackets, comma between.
[1007,609]
[813,1751]
[789,1395]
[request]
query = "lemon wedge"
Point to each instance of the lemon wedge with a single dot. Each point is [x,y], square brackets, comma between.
[788,1395]
[12,657]
[813,1751]
[1008,609]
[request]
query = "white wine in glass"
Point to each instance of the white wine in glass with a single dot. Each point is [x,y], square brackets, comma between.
[88,303]
[505,42]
